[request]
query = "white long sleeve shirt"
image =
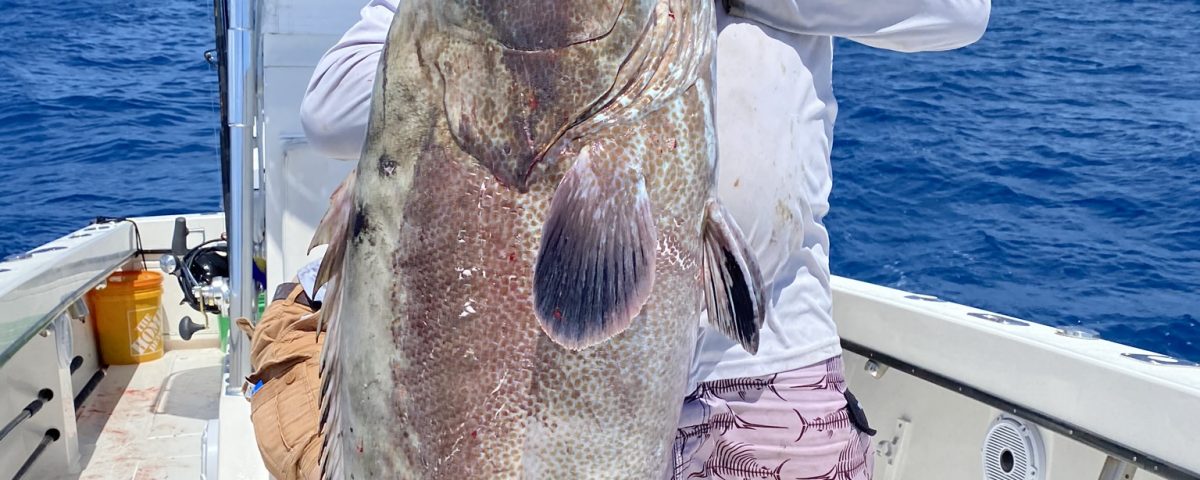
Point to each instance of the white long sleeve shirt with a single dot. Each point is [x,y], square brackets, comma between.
[775,111]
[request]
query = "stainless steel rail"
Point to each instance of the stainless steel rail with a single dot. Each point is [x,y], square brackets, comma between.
[242,101]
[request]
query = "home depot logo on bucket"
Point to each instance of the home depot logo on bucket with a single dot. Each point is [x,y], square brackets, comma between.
[145,335]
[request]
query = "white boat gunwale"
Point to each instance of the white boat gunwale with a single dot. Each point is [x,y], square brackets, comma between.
[24,287]
[1114,449]
[1127,402]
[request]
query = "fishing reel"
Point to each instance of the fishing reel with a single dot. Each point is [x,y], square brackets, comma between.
[203,274]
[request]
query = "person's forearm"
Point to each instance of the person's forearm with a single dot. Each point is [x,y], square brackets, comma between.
[903,25]
[337,103]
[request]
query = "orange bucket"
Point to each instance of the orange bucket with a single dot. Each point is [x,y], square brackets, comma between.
[128,315]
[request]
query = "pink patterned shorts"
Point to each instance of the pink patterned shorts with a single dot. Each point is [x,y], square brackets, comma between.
[790,425]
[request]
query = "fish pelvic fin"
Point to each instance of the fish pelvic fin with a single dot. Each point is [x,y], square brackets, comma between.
[333,230]
[595,267]
[733,285]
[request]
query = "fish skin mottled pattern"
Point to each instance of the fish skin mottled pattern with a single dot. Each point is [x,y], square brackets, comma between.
[436,366]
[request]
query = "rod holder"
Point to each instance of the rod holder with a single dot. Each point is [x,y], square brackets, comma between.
[51,436]
[44,395]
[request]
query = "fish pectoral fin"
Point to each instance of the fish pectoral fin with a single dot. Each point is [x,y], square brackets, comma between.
[333,228]
[733,285]
[595,267]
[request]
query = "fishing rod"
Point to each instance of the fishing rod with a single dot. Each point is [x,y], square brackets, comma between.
[219,57]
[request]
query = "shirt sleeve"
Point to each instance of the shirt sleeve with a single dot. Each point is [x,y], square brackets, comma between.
[901,25]
[337,103]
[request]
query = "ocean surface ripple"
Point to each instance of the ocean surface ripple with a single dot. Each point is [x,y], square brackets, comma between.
[1050,171]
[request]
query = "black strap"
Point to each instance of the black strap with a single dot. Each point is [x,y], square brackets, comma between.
[857,416]
[285,289]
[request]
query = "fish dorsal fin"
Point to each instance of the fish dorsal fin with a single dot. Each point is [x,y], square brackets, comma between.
[733,285]
[330,461]
[595,267]
[333,228]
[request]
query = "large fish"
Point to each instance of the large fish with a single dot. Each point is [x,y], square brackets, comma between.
[520,262]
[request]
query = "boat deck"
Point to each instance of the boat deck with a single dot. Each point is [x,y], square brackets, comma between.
[145,421]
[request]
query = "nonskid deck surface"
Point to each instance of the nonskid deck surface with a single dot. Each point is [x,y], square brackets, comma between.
[145,421]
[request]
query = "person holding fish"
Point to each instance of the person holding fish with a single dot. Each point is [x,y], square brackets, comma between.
[782,411]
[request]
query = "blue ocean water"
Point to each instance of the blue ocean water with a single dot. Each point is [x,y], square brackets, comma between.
[96,97]
[1050,172]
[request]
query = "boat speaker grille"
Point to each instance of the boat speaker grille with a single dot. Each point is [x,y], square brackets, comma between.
[1013,450]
